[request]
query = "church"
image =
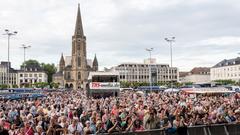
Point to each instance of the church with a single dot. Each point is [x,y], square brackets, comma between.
[74,74]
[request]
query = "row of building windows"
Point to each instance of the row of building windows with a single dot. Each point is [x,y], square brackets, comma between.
[31,75]
[142,66]
[5,82]
[147,77]
[227,69]
[30,80]
[144,69]
[226,75]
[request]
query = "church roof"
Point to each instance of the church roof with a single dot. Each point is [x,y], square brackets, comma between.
[229,62]
[60,73]
[95,61]
[62,61]
[78,26]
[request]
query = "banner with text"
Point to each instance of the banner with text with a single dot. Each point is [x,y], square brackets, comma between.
[104,85]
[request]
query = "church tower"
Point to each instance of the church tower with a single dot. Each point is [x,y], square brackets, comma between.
[95,63]
[79,61]
[61,64]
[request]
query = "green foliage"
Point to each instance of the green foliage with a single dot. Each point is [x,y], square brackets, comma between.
[54,85]
[164,83]
[40,84]
[50,69]
[238,83]
[178,85]
[3,86]
[124,84]
[188,83]
[226,82]
[15,86]
[31,62]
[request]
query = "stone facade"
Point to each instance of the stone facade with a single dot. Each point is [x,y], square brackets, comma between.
[75,75]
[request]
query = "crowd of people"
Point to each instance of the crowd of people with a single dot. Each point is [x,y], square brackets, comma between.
[76,114]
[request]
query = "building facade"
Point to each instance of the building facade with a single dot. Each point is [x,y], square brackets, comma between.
[226,70]
[197,75]
[6,79]
[74,75]
[132,72]
[31,75]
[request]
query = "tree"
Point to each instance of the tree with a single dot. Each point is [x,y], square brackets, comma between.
[50,69]
[54,85]
[31,63]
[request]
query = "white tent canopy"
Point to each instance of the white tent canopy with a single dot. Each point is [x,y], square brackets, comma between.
[172,90]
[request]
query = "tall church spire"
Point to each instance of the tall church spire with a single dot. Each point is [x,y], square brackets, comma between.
[78,26]
[61,63]
[95,63]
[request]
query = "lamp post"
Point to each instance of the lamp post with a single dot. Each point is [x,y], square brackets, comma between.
[149,66]
[9,34]
[170,41]
[24,60]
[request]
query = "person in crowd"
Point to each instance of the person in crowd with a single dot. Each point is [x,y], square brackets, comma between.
[100,128]
[75,128]
[87,130]
[150,120]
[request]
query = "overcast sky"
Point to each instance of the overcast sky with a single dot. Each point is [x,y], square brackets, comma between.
[206,31]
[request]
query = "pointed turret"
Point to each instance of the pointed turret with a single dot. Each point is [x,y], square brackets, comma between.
[95,63]
[61,63]
[78,26]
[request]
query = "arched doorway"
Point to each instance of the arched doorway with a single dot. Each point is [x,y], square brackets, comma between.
[66,85]
[71,86]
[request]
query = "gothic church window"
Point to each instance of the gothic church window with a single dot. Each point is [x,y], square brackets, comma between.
[79,61]
[79,75]
[68,75]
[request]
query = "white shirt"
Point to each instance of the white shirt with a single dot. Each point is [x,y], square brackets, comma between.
[78,127]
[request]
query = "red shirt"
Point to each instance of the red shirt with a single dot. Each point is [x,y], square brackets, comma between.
[28,131]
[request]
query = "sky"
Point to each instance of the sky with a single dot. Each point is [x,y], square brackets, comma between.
[119,31]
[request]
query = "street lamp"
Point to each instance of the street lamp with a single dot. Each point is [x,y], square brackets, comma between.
[150,71]
[24,59]
[170,41]
[9,34]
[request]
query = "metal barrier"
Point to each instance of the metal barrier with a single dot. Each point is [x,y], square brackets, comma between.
[233,129]
[197,130]
[217,130]
[220,129]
